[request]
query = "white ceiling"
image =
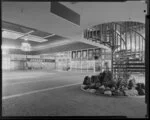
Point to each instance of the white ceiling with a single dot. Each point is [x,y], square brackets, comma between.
[11,35]
[37,15]
[15,35]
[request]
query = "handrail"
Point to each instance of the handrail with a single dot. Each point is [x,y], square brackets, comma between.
[132,30]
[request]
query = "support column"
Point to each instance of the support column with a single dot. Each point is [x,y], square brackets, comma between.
[94,66]
[135,39]
[87,61]
[147,17]
[71,61]
[81,66]
[76,62]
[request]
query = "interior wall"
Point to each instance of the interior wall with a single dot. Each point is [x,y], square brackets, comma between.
[24,62]
[74,61]
[9,62]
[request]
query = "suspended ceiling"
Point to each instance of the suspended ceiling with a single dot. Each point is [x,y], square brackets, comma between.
[21,18]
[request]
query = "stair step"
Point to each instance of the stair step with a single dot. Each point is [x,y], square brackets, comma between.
[132,64]
[134,71]
[129,67]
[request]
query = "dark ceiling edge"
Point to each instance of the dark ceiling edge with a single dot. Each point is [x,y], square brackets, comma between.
[31,28]
[38,53]
[25,27]
[18,25]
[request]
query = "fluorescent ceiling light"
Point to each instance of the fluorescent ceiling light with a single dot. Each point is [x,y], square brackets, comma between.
[15,35]
[27,33]
[34,38]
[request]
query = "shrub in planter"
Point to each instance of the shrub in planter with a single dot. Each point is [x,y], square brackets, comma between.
[115,93]
[121,82]
[92,79]
[86,80]
[107,77]
[132,84]
[97,85]
[118,93]
[100,91]
[118,83]
[96,79]
[141,91]
[92,86]
[122,88]
[111,84]
[113,89]
[101,77]
[140,86]
[121,93]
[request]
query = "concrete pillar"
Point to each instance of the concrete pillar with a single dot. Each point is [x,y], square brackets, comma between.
[94,66]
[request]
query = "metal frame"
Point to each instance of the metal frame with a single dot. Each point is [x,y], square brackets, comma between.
[111,35]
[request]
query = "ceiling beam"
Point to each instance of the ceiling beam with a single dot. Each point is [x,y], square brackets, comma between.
[93,43]
[12,31]
[25,34]
[49,36]
[56,44]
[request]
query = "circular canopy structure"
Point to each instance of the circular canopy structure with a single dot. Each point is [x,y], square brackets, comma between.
[126,39]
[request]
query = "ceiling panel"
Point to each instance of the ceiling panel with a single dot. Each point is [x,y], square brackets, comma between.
[13,31]
[40,33]
[15,27]
[11,42]
[56,38]
[11,35]
[24,29]
[34,38]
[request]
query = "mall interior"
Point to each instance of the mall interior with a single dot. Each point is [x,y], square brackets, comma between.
[49,47]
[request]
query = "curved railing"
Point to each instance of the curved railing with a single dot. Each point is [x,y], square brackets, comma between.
[126,42]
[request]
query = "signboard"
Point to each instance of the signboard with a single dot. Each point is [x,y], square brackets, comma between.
[65,13]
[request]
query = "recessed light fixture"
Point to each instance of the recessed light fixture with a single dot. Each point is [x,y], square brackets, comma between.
[26,39]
